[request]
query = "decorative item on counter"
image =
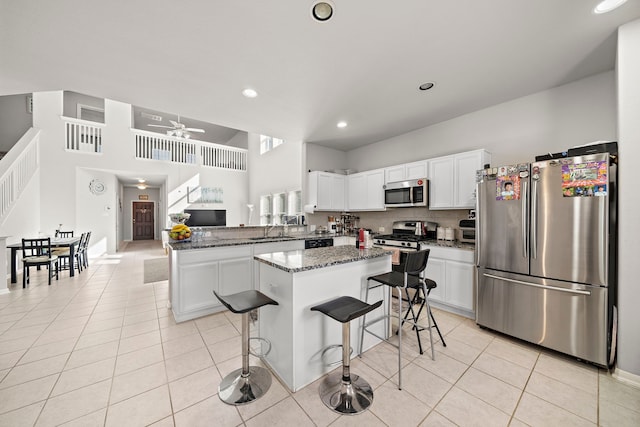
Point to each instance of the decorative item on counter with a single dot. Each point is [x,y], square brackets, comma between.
[180,232]
[449,234]
[361,242]
[440,233]
[179,218]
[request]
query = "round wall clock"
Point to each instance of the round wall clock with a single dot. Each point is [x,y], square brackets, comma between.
[97,187]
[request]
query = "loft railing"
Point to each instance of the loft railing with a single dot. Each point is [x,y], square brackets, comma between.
[153,146]
[19,164]
[82,135]
[220,156]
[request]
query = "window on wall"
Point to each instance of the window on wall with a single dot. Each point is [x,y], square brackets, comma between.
[268,143]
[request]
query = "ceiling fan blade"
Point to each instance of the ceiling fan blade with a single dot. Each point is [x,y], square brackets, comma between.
[161,126]
[194,130]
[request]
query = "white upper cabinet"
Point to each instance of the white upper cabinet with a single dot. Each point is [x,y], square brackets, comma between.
[452,179]
[405,171]
[365,191]
[327,191]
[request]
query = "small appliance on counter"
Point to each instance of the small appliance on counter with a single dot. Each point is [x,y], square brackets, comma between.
[467,231]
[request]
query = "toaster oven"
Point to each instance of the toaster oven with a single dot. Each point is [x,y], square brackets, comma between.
[467,231]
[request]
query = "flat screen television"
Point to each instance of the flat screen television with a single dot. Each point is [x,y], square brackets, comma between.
[206,217]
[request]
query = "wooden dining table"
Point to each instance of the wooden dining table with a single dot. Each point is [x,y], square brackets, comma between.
[67,242]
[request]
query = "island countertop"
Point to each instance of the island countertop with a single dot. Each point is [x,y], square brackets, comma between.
[310,259]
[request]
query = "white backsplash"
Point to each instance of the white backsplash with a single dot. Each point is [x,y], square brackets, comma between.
[375,220]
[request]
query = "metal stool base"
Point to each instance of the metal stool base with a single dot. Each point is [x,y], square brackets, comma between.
[238,390]
[348,398]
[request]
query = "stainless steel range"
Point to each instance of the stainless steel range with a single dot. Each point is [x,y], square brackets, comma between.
[407,235]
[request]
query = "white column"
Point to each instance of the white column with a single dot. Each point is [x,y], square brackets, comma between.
[628,70]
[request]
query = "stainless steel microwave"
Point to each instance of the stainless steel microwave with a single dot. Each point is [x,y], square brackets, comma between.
[405,194]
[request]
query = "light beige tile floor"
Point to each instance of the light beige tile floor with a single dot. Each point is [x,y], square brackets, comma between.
[102,349]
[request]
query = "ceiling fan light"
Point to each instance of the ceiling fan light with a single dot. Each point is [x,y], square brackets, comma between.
[141,187]
[608,5]
[322,11]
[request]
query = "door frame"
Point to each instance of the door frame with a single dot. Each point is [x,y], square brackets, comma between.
[155,221]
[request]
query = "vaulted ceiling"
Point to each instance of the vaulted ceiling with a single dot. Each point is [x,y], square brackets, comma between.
[363,66]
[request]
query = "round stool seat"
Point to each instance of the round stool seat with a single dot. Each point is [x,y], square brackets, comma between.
[345,309]
[342,392]
[248,383]
[243,302]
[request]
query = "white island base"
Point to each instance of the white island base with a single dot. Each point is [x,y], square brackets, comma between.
[298,335]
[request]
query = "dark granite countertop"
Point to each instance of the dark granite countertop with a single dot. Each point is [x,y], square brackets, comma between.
[450,244]
[216,243]
[310,259]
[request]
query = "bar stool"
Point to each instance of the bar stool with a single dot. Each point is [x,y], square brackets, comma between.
[409,278]
[423,303]
[248,383]
[345,393]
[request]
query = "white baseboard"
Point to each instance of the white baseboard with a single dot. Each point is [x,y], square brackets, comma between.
[4,291]
[626,377]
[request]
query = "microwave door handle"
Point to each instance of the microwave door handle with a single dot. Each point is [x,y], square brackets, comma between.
[411,194]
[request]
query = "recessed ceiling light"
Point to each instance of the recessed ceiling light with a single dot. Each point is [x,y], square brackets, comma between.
[608,5]
[322,11]
[342,124]
[249,93]
[426,86]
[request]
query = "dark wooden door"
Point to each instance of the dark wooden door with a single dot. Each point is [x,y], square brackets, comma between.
[143,221]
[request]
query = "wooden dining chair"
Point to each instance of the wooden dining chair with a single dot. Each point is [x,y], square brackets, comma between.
[36,253]
[64,254]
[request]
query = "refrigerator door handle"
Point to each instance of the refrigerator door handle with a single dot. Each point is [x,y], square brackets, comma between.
[535,285]
[525,234]
[534,220]
[478,239]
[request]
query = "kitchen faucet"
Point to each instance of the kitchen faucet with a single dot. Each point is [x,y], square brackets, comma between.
[267,229]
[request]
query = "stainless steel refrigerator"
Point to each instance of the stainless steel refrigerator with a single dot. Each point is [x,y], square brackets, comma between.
[546,239]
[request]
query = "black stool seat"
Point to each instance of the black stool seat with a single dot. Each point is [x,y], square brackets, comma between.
[248,383]
[396,279]
[342,392]
[345,309]
[243,302]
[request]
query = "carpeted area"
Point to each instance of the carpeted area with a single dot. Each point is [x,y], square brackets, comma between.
[156,269]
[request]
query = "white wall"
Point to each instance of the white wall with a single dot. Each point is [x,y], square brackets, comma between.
[628,69]
[319,158]
[515,131]
[279,170]
[14,120]
[239,140]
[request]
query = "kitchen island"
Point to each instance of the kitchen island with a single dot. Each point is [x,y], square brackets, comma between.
[199,267]
[301,279]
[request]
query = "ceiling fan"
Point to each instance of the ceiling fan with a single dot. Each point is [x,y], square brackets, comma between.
[178,130]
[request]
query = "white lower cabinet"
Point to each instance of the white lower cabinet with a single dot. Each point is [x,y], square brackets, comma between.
[454,271]
[196,273]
